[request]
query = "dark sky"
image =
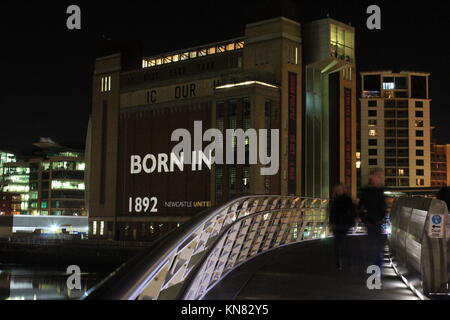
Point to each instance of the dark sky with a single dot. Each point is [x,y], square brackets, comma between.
[46,70]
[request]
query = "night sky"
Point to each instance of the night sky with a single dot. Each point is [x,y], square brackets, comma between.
[46,69]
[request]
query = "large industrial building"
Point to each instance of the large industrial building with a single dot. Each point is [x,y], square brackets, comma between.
[281,75]
[395,128]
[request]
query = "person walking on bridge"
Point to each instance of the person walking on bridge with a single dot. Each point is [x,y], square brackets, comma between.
[372,210]
[342,218]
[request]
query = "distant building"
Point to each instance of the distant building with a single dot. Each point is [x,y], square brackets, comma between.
[10,204]
[395,128]
[57,184]
[50,182]
[5,157]
[440,163]
[16,179]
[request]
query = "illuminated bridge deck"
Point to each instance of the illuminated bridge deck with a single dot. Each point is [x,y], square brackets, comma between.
[306,271]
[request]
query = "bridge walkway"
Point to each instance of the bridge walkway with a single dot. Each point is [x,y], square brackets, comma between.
[307,271]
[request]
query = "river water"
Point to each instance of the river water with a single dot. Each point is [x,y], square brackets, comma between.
[37,283]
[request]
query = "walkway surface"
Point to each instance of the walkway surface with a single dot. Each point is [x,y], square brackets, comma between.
[306,271]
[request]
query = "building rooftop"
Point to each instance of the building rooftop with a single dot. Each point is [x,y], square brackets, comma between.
[392,72]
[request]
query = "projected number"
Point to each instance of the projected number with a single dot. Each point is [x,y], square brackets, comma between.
[146,204]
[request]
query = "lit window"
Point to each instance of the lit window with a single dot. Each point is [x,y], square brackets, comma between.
[388,86]
[401,172]
[184,56]
[372,133]
[341,43]
[94,227]
[212,50]
[230,47]
[102,227]
[106,84]
[358,155]
[358,164]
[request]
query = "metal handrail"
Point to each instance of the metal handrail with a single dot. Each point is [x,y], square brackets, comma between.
[166,267]
[419,259]
[188,290]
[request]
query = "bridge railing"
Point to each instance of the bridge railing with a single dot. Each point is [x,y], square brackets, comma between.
[420,259]
[187,263]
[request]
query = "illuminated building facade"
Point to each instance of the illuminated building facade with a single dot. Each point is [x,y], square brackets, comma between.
[16,179]
[260,81]
[5,157]
[395,127]
[57,184]
[51,184]
[329,121]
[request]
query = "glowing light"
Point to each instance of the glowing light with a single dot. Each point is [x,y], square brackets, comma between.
[247,83]
[54,228]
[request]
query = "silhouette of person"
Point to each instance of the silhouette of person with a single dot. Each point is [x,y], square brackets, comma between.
[342,217]
[372,210]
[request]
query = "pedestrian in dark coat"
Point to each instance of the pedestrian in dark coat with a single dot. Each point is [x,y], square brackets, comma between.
[372,210]
[342,218]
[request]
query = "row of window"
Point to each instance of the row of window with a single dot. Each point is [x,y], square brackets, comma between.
[192,54]
[395,133]
[395,113]
[396,143]
[394,182]
[394,104]
[396,123]
[106,84]
[396,162]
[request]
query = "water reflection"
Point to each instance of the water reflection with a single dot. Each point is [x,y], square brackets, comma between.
[23,283]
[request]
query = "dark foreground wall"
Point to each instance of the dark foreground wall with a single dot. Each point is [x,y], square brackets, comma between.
[60,253]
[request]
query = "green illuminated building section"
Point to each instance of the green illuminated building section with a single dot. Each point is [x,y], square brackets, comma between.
[329,68]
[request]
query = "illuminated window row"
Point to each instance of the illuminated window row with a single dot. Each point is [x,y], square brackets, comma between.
[94,228]
[106,84]
[192,54]
[67,185]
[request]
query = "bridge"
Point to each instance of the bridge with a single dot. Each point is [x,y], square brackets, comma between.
[279,247]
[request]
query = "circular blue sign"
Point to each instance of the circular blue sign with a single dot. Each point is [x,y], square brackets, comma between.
[437,219]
